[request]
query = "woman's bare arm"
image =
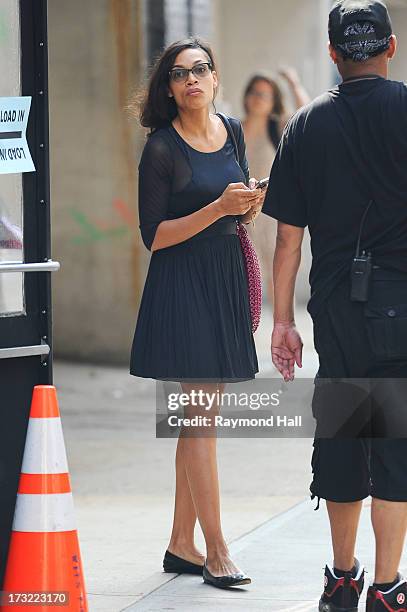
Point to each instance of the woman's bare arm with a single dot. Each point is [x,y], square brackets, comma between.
[301,97]
[237,199]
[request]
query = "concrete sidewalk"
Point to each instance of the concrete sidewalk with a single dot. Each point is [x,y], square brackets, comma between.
[285,558]
[123,477]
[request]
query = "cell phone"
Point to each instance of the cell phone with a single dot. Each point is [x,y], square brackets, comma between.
[262,183]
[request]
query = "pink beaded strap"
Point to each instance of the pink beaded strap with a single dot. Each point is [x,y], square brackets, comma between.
[253,274]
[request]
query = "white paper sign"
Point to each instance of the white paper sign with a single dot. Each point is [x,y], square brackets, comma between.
[14,152]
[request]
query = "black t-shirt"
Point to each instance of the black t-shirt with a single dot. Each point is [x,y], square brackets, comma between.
[347,147]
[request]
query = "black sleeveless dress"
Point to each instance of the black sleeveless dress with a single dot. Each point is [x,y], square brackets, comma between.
[194,320]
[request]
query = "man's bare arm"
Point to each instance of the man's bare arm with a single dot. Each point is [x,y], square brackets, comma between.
[286,343]
[287,259]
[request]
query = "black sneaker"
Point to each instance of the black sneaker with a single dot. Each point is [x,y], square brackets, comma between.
[342,594]
[388,601]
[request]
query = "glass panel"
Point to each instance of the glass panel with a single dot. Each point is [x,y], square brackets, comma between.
[11,188]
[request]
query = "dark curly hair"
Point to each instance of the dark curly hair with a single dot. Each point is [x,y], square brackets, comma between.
[153,106]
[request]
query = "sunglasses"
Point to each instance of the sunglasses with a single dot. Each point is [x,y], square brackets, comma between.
[261,94]
[200,71]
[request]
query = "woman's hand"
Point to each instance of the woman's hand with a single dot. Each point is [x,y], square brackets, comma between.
[256,207]
[290,75]
[237,199]
[293,80]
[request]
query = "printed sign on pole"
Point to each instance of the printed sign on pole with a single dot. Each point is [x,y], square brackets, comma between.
[14,152]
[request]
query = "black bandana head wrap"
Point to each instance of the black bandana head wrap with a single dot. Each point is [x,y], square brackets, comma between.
[360,29]
[364,48]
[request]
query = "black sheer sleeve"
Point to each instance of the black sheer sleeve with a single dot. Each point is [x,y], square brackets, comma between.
[241,147]
[155,178]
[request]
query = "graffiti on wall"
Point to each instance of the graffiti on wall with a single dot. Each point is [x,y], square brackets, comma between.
[94,230]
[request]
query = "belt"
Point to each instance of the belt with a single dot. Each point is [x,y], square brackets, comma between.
[218,228]
[317,299]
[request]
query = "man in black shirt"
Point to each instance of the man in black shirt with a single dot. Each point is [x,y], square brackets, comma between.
[343,158]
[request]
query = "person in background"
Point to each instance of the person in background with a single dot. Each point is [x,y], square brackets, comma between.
[265,118]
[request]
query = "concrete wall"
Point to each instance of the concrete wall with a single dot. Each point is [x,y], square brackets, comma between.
[95,61]
[398,66]
[263,35]
[93,64]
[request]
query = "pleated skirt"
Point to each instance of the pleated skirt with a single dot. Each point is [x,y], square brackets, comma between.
[194,321]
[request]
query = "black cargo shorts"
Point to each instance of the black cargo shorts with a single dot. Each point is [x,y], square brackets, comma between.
[368,454]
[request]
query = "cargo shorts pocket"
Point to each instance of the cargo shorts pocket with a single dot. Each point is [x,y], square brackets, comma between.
[314,485]
[315,455]
[386,327]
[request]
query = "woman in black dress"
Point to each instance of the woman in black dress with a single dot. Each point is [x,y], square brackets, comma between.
[194,323]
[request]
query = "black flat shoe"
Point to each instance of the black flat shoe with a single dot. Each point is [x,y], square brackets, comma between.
[177,565]
[223,582]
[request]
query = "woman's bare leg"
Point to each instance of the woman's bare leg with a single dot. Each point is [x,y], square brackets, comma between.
[182,536]
[199,454]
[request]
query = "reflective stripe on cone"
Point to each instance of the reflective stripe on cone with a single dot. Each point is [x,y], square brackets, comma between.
[44,555]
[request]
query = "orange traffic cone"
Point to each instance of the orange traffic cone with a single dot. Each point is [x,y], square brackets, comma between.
[44,556]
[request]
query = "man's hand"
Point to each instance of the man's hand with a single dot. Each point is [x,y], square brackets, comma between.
[286,348]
